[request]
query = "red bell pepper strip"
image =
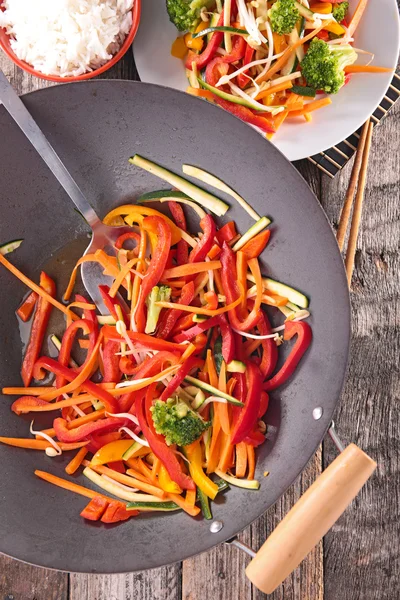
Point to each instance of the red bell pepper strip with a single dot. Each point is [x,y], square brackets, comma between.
[226,233]
[304,337]
[67,342]
[182,247]
[199,253]
[117,512]
[182,324]
[81,433]
[270,349]
[170,316]
[117,466]
[238,50]
[171,258]
[23,404]
[112,373]
[214,70]
[242,80]
[127,366]
[255,438]
[323,35]
[25,311]
[231,291]
[157,442]
[49,364]
[189,364]
[197,329]
[95,509]
[131,235]
[201,60]
[263,404]
[98,441]
[151,366]
[228,340]
[142,340]
[160,227]
[111,303]
[249,413]
[38,331]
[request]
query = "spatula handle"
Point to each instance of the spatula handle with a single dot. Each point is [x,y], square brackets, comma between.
[310,518]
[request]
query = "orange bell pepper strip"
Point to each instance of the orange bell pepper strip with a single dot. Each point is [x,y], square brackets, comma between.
[95,509]
[254,247]
[38,331]
[25,311]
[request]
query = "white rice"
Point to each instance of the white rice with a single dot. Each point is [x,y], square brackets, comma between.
[66,37]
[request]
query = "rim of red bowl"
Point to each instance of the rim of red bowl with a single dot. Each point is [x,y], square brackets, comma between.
[5,45]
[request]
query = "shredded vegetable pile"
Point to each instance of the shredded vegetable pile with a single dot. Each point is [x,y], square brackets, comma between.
[267,61]
[166,410]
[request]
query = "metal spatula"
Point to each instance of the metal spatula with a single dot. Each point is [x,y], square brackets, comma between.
[103,236]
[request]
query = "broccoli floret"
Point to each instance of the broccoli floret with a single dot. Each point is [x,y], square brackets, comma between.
[177,422]
[157,294]
[323,65]
[283,16]
[185,14]
[340,10]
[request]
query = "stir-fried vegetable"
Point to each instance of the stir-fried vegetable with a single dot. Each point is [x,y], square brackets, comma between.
[176,377]
[244,55]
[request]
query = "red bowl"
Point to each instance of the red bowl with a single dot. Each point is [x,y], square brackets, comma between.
[5,45]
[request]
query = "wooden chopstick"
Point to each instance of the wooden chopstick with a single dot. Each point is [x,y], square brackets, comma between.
[348,203]
[357,180]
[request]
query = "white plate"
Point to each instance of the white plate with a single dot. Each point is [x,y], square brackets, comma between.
[378,32]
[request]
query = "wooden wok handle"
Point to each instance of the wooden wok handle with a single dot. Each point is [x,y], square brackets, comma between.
[310,518]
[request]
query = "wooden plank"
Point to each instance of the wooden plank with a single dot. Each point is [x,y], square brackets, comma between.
[362,550]
[20,581]
[157,584]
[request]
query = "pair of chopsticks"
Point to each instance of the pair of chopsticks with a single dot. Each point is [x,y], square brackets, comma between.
[357,181]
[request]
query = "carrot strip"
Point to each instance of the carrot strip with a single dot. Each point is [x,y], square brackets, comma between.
[280,118]
[140,267]
[214,252]
[366,69]
[241,269]
[108,263]
[25,391]
[256,272]
[215,445]
[251,457]
[212,373]
[68,485]
[223,408]
[76,462]
[84,344]
[193,511]
[191,269]
[274,89]
[310,107]
[200,310]
[356,18]
[274,300]
[241,459]
[56,405]
[144,468]
[277,66]
[133,472]
[251,347]
[33,444]
[121,276]
[128,480]
[36,288]
[81,377]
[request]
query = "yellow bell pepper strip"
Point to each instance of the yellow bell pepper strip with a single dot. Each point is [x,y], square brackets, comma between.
[193,43]
[136,214]
[179,48]
[165,482]
[111,452]
[335,28]
[323,8]
[204,483]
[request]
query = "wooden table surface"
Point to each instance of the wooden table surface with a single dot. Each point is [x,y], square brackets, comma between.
[359,558]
